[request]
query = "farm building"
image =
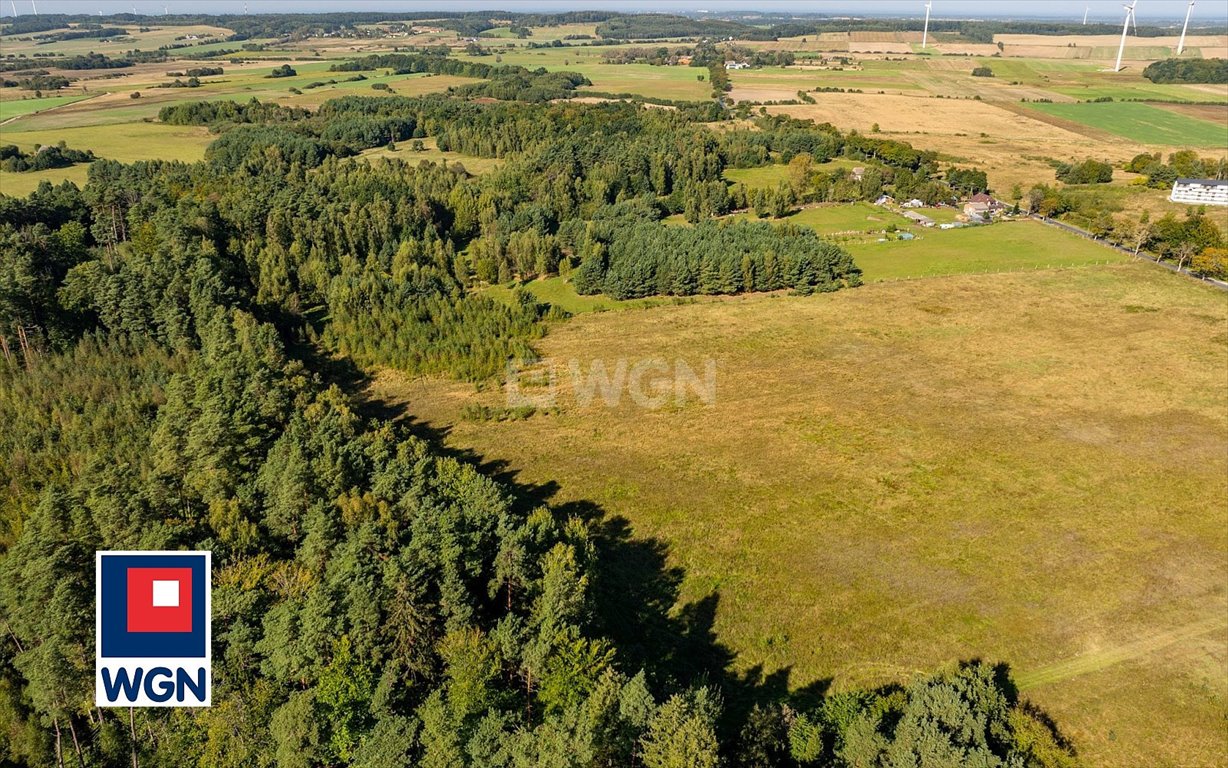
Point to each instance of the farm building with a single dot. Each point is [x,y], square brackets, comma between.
[920,218]
[976,211]
[1200,191]
[990,202]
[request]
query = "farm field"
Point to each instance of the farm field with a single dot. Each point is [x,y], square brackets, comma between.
[642,79]
[154,37]
[124,142]
[1024,464]
[1014,143]
[1142,123]
[11,108]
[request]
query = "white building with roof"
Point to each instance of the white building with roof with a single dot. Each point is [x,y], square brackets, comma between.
[1200,191]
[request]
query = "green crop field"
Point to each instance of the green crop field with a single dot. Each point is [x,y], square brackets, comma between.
[10,108]
[1140,91]
[1015,466]
[1142,123]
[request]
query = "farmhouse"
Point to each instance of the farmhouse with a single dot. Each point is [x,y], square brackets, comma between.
[736,65]
[1200,191]
[983,199]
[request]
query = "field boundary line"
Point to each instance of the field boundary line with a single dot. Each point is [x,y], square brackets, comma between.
[1102,659]
[52,109]
[1141,255]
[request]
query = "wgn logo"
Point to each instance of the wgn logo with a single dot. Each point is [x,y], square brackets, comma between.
[152,614]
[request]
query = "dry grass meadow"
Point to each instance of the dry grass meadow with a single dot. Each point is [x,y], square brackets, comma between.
[1023,467]
[1011,144]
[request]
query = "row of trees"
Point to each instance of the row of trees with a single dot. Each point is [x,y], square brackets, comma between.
[1183,163]
[1183,240]
[1087,172]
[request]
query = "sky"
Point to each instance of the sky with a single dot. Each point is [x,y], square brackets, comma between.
[1104,10]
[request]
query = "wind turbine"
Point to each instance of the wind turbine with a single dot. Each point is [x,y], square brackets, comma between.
[1181,45]
[1086,8]
[1124,29]
[13,5]
[926,32]
[34,5]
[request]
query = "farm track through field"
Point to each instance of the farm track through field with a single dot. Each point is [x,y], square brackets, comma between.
[1106,657]
[52,109]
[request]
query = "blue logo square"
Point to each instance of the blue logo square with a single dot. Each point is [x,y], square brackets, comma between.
[116,641]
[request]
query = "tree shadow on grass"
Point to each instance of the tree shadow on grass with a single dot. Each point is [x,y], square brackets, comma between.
[636,595]
[637,602]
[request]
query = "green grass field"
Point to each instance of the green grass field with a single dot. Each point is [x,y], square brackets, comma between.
[10,108]
[1026,467]
[558,292]
[431,153]
[640,79]
[1002,247]
[1142,123]
[851,217]
[124,142]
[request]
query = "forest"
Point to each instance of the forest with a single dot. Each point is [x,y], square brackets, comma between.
[1187,71]
[183,349]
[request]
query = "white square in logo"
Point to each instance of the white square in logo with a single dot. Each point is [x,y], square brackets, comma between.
[165,594]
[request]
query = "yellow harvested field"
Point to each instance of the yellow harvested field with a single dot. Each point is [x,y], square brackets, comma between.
[966,49]
[1104,47]
[889,37]
[926,115]
[858,46]
[1010,143]
[1109,41]
[1216,113]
